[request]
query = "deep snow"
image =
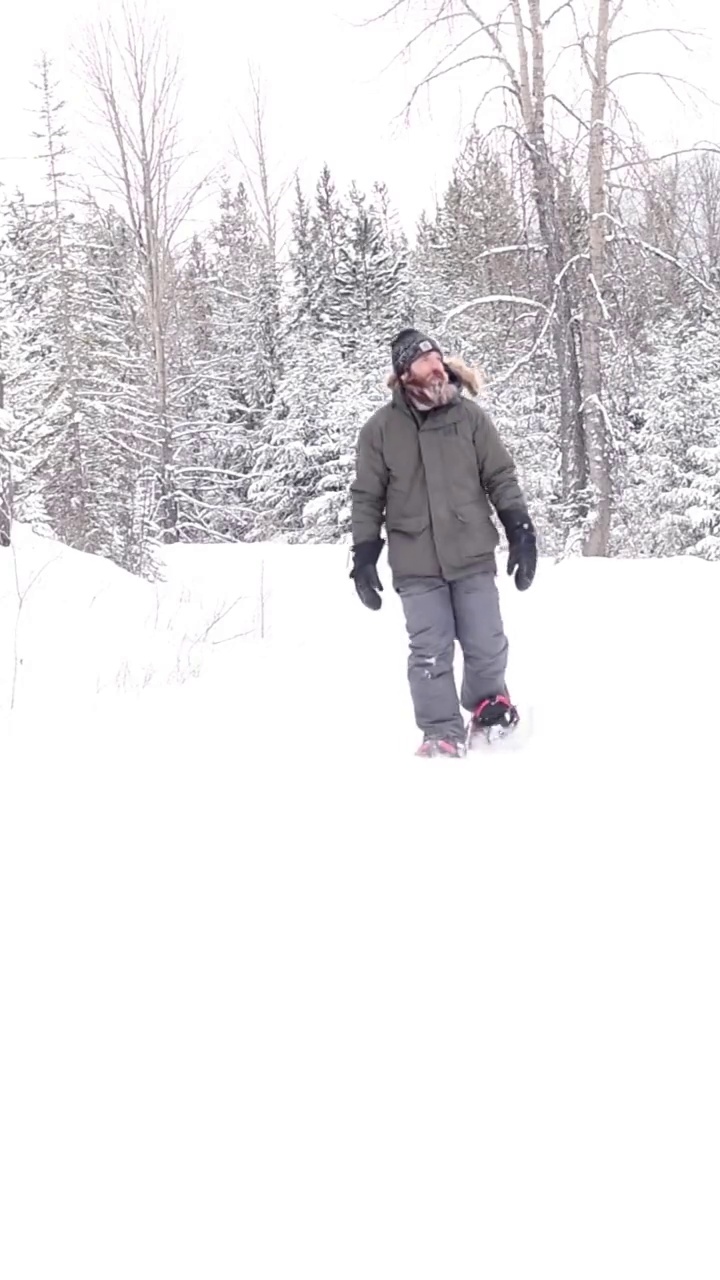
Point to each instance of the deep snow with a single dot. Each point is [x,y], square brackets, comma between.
[279,1000]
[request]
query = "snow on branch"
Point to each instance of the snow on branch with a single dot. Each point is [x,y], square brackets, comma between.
[509,248]
[509,298]
[598,295]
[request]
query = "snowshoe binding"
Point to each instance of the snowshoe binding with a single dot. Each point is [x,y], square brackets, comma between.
[492,720]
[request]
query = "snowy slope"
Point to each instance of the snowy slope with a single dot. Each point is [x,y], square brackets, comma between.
[73,626]
[283,1001]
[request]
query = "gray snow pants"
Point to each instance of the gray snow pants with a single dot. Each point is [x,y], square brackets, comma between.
[437,613]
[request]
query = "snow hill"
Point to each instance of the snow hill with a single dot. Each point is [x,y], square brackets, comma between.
[279,1000]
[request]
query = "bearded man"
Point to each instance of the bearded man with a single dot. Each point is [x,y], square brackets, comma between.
[430,466]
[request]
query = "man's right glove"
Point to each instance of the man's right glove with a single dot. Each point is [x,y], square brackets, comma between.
[522,553]
[365,574]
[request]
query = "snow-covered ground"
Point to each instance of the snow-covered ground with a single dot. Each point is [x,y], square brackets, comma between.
[279,1000]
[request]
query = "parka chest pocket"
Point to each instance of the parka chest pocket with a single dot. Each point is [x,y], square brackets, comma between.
[401,454]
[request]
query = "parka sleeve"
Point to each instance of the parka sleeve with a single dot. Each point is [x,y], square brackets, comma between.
[369,488]
[497,469]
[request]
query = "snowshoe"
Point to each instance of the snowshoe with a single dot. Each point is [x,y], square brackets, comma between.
[431,745]
[492,720]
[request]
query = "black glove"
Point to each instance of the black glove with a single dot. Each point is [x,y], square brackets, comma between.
[522,554]
[364,573]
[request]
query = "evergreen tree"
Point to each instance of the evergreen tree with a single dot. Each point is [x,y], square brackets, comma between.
[42,273]
[330,229]
[673,502]
[114,361]
[303,473]
[245,309]
[305,262]
[372,278]
[71,475]
[213,433]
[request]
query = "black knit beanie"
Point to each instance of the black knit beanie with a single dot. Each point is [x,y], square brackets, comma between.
[407,346]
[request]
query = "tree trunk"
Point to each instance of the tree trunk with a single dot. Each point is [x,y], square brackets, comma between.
[598,443]
[530,87]
[573,456]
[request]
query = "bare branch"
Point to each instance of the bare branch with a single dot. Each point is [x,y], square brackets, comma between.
[523,360]
[437,21]
[437,75]
[567,4]
[491,32]
[553,97]
[667,155]
[630,236]
[613,16]
[666,79]
[267,195]
[675,32]
[502,88]
[380,17]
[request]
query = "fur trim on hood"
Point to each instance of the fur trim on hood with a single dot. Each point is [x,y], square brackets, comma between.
[469,380]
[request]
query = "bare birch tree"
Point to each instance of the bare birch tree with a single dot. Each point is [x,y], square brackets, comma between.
[254,157]
[134,79]
[267,193]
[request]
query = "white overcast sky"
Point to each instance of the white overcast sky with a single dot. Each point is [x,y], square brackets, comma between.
[328,93]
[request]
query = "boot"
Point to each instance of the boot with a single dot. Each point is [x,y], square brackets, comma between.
[439,745]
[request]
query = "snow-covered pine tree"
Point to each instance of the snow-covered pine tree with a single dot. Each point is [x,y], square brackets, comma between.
[434,293]
[672,504]
[702,495]
[231,362]
[301,485]
[42,273]
[372,279]
[199,416]
[329,230]
[350,294]
[70,476]
[211,431]
[116,369]
[303,260]
[245,316]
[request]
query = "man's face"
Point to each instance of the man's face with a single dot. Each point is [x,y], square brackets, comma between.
[427,371]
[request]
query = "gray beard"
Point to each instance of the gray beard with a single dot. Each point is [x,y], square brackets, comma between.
[431,395]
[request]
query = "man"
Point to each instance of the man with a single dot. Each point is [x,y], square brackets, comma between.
[428,465]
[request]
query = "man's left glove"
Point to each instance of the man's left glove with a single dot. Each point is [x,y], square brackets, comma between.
[522,544]
[365,574]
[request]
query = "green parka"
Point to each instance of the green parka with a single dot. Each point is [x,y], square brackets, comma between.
[430,478]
